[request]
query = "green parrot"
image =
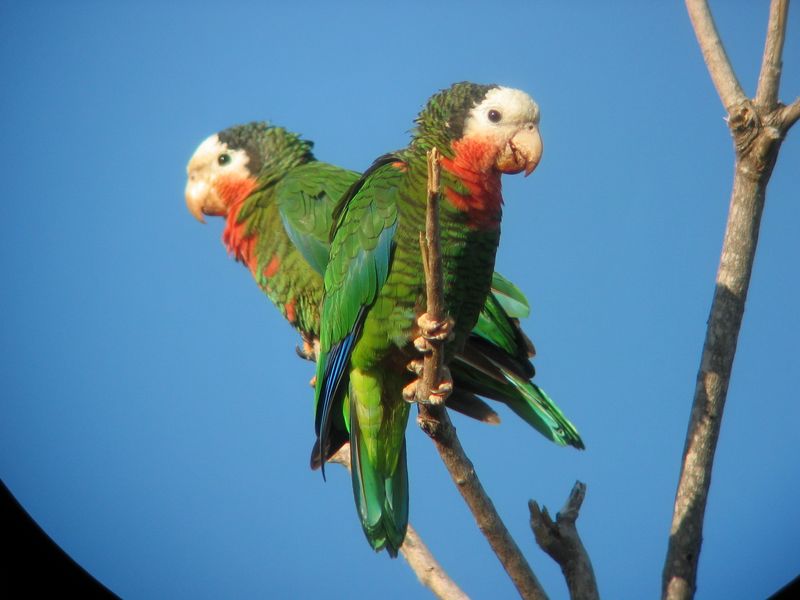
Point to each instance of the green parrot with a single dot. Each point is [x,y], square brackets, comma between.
[373,318]
[278,202]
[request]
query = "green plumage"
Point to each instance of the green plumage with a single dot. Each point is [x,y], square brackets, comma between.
[288,218]
[375,289]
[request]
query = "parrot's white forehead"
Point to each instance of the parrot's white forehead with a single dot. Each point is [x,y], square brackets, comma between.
[501,110]
[209,151]
[210,145]
[514,104]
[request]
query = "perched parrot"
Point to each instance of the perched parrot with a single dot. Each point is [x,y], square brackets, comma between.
[373,316]
[278,202]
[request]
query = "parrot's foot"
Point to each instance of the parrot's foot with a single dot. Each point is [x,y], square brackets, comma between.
[308,351]
[313,382]
[436,396]
[303,352]
[432,330]
[415,366]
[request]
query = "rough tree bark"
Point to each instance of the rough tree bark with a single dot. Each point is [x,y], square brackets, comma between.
[758,127]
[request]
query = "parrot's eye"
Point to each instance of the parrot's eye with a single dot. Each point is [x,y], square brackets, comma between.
[494,116]
[223,159]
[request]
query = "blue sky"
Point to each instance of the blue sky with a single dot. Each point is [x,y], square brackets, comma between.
[154,417]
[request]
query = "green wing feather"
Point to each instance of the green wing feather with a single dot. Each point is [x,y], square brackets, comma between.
[306,198]
[359,263]
[357,269]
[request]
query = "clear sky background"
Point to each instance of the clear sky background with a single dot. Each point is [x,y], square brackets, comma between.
[154,417]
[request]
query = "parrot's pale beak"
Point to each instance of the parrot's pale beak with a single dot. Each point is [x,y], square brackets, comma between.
[203,199]
[196,193]
[523,151]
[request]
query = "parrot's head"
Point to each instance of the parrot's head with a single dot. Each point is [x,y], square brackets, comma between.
[488,126]
[228,166]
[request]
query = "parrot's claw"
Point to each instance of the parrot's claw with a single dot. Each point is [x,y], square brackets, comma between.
[307,352]
[435,330]
[410,392]
[422,345]
[436,396]
[313,382]
[303,353]
[415,366]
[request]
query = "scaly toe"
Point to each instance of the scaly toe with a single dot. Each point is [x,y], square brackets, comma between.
[422,345]
[410,392]
[415,366]
[441,393]
[435,330]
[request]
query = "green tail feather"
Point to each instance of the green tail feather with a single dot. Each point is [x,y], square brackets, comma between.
[381,498]
[485,377]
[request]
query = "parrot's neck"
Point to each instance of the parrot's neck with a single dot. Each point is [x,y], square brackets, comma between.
[472,163]
[235,235]
[255,236]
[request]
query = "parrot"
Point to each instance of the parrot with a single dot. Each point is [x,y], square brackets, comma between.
[278,202]
[372,318]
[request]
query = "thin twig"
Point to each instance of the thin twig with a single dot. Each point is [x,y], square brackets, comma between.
[431,263]
[561,541]
[770,78]
[789,115]
[425,566]
[717,61]
[757,132]
[433,419]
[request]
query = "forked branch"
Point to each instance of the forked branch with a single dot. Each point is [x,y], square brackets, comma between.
[561,541]
[758,128]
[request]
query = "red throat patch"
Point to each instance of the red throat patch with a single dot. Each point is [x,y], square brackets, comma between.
[272,266]
[233,192]
[473,164]
[291,314]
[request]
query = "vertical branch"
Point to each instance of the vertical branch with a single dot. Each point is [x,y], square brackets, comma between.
[758,130]
[431,263]
[435,422]
[770,78]
[719,67]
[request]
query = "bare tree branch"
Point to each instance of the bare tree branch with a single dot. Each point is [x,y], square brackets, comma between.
[435,422]
[425,566]
[433,419]
[428,570]
[431,264]
[789,115]
[562,542]
[714,54]
[758,132]
[770,78]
